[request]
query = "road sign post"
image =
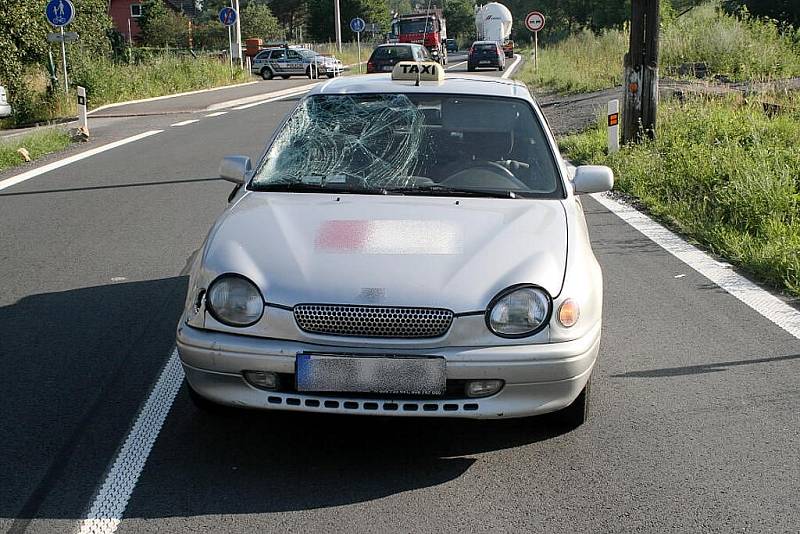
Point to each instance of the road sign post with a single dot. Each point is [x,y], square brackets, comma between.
[534,21]
[60,13]
[228,17]
[358,25]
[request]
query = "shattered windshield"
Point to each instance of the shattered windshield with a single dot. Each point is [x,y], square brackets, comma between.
[411,144]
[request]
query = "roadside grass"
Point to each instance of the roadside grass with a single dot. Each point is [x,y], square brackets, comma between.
[721,172]
[736,49]
[108,81]
[37,143]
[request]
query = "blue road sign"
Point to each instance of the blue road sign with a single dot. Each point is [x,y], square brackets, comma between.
[227,16]
[358,25]
[60,12]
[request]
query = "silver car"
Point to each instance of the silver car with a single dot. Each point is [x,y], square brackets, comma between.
[5,108]
[403,247]
[286,62]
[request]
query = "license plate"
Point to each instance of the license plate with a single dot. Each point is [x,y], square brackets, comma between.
[388,68]
[417,375]
[484,62]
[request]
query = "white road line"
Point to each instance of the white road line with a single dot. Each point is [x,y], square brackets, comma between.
[760,300]
[112,498]
[273,99]
[260,98]
[510,70]
[454,65]
[166,97]
[8,182]
[217,114]
[184,123]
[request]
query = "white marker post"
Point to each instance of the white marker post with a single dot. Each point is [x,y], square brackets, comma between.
[613,126]
[83,119]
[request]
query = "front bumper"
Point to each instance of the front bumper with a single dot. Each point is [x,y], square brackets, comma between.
[538,378]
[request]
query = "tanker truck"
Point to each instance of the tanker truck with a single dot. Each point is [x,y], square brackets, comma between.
[493,23]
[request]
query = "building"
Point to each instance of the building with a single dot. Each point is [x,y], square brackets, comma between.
[125,14]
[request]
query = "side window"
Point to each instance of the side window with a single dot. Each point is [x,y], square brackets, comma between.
[278,54]
[294,56]
[262,55]
[423,54]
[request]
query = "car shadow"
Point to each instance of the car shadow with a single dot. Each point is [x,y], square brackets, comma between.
[244,461]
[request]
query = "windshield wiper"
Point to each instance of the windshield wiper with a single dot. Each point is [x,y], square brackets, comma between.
[303,187]
[442,190]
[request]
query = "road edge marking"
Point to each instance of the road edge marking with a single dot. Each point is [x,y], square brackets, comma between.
[108,506]
[510,70]
[762,301]
[165,97]
[19,178]
[260,98]
[272,99]
[184,123]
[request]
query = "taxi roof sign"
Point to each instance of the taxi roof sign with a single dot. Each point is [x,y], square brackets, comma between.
[424,71]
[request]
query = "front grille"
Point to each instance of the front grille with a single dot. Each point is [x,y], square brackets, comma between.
[372,321]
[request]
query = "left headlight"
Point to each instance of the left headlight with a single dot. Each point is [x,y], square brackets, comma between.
[519,311]
[234,300]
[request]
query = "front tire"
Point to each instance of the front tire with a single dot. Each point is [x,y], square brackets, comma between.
[501,68]
[267,73]
[285,76]
[576,413]
[312,72]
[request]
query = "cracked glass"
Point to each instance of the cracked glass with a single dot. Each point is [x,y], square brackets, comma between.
[411,143]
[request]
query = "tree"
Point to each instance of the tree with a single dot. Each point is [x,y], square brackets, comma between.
[786,11]
[320,15]
[161,26]
[258,21]
[460,17]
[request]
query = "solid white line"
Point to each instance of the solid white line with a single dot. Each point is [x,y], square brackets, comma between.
[760,300]
[260,98]
[165,97]
[217,114]
[273,99]
[184,123]
[454,65]
[513,66]
[8,182]
[112,498]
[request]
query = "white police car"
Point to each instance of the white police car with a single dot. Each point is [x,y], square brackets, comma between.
[294,61]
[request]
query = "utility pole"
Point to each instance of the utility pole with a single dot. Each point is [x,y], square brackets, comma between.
[641,73]
[337,15]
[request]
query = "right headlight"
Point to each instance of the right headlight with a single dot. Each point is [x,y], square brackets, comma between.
[234,300]
[519,311]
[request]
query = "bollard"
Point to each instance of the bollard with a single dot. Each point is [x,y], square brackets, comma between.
[613,126]
[83,119]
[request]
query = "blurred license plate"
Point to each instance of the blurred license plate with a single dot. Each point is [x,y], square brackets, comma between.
[484,62]
[388,68]
[418,375]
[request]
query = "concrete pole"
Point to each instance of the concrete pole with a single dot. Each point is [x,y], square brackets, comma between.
[238,36]
[338,21]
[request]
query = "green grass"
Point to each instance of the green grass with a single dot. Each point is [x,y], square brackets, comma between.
[37,143]
[749,49]
[721,172]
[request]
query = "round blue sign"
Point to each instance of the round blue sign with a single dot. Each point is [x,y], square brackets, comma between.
[227,16]
[60,12]
[358,25]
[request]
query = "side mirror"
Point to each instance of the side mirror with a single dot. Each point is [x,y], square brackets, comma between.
[235,168]
[592,179]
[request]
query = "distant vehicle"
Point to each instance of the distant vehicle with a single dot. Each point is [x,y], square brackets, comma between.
[486,54]
[385,57]
[452,45]
[406,245]
[5,108]
[493,23]
[294,61]
[425,27]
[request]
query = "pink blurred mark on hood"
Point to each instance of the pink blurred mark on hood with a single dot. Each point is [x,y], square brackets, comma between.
[389,237]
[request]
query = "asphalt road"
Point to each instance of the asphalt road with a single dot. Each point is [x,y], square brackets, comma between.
[694,424]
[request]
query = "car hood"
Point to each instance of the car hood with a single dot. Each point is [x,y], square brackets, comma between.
[390,250]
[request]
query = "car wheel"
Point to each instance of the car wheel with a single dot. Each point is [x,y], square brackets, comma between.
[266,73]
[576,413]
[285,76]
[470,68]
[501,67]
[330,75]
[205,405]
[311,72]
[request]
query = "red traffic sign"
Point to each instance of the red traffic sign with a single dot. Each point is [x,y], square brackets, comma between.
[534,21]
